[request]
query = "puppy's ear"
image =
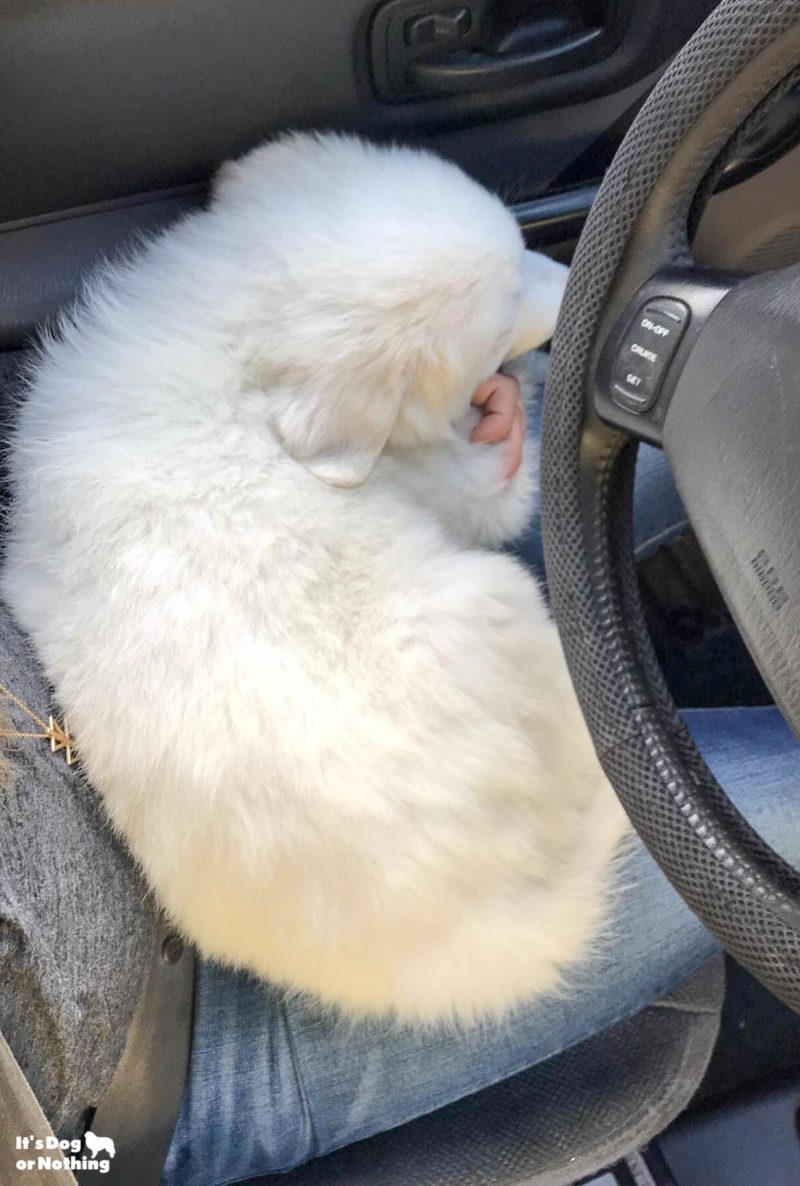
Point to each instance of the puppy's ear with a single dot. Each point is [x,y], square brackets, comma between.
[337,429]
[543,282]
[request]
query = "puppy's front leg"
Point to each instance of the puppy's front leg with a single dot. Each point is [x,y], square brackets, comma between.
[465,485]
[490,507]
[498,501]
[483,480]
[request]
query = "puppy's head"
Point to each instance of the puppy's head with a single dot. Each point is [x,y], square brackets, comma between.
[385,285]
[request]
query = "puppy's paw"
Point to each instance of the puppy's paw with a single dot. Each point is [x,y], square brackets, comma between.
[495,509]
[518,497]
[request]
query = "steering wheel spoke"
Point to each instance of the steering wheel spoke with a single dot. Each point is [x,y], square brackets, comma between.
[649,346]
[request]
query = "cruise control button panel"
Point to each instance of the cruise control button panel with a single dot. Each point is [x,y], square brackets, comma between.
[646,351]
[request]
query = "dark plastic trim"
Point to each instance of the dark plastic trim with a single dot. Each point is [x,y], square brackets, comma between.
[465,73]
[555,218]
[494,58]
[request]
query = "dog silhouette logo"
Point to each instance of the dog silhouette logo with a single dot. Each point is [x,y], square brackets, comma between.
[96,1144]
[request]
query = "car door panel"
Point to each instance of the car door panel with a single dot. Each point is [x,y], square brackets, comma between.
[99,101]
[113,117]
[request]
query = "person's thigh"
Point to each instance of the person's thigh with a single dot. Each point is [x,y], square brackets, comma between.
[276,1080]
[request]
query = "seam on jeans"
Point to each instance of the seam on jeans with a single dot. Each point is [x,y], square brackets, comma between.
[268,1173]
[657,536]
[298,1074]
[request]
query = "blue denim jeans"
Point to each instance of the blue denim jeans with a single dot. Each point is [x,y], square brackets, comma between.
[276,1080]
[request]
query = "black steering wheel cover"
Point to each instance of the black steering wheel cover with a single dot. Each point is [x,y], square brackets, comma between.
[743,891]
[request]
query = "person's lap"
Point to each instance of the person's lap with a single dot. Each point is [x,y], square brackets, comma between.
[285,1081]
[276,1079]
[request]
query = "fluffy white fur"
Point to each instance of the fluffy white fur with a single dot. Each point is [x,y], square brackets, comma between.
[252,546]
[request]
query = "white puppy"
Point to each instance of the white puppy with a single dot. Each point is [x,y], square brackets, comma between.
[250,541]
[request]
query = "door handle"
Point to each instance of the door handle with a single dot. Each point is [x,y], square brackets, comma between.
[429,49]
[462,72]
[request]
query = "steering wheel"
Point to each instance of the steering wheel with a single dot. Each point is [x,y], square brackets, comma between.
[706,365]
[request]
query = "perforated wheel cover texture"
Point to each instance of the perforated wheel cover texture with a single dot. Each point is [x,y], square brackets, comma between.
[746,895]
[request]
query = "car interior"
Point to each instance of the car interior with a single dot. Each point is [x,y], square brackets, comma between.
[114,118]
